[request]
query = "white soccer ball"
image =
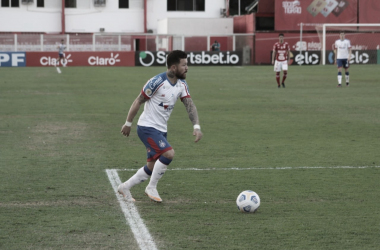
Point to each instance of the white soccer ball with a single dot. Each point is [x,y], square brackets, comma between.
[248,201]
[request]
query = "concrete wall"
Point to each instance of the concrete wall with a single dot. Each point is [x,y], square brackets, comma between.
[157,11]
[87,18]
[198,26]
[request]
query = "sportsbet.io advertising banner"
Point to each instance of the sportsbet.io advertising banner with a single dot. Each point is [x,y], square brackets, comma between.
[202,58]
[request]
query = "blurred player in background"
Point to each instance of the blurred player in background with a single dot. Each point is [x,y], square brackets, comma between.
[342,50]
[215,46]
[281,52]
[61,55]
[159,95]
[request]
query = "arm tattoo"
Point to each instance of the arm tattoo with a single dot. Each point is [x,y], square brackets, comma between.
[142,99]
[191,110]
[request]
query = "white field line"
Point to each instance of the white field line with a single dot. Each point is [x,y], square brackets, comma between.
[256,168]
[141,233]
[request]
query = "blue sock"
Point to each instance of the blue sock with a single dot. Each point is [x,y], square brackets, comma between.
[147,171]
[164,160]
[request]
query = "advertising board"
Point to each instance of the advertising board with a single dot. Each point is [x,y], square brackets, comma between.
[201,58]
[12,59]
[290,13]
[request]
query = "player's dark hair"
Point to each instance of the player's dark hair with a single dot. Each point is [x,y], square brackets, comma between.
[281,34]
[175,57]
[342,31]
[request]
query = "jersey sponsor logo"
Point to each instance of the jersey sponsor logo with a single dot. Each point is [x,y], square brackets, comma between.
[167,107]
[12,59]
[155,81]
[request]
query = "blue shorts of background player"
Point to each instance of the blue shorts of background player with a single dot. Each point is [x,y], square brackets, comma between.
[342,63]
[154,140]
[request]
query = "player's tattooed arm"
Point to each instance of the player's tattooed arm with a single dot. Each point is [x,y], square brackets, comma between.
[126,129]
[136,106]
[191,110]
[193,115]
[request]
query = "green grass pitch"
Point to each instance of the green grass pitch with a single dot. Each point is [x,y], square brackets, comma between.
[60,132]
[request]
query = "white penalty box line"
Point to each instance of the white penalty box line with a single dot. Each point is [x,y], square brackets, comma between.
[257,168]
[140,232]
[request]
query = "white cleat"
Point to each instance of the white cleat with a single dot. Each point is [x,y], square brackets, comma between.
[125,193]
[153,194]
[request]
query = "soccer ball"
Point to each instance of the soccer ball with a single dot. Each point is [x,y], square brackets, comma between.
[248,201]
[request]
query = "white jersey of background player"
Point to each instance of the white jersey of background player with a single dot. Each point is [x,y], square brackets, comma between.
[163,95]
[61,54]
[342,49]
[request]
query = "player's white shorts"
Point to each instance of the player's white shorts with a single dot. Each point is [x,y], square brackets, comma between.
[278,65]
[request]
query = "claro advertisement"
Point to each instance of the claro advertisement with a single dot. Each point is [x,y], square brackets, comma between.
[116,58]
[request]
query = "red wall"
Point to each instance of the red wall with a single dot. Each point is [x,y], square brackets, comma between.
[369,11]
[200,43]
[244,24]
[266,6]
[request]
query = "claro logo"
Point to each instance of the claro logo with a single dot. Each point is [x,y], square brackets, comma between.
[50,61]
[96,60]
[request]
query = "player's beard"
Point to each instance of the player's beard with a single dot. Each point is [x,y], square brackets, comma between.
[181,76]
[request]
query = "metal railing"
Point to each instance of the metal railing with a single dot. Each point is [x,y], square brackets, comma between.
[122,42]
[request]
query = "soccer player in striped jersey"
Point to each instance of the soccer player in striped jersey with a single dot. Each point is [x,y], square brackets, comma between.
[281,52]
[342,50]
[159,95]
